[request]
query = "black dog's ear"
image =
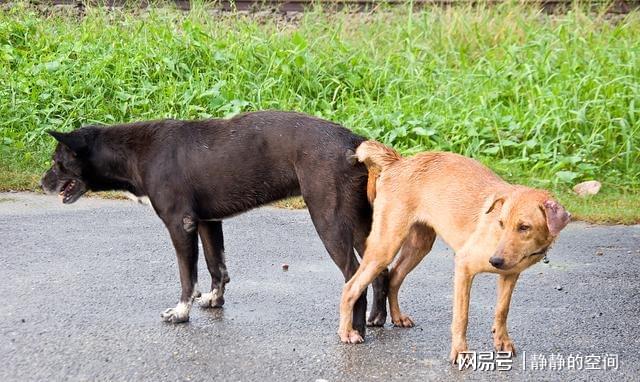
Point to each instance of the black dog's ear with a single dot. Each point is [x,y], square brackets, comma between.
[79,141]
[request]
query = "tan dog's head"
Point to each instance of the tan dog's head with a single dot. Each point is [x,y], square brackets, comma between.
[529,221]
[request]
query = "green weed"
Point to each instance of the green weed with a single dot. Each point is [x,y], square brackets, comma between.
[544,100]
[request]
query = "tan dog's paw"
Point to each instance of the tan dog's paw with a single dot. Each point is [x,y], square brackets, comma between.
[504,344]
[403,321]
[351,337]
[457,351]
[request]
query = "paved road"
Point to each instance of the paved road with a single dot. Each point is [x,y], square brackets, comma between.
[83,286]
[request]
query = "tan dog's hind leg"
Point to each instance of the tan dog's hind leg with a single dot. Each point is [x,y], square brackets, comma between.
[461,292]
[501,340]
[388,231]
[416,246]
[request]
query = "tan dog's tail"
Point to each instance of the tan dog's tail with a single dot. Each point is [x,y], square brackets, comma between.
[376,157]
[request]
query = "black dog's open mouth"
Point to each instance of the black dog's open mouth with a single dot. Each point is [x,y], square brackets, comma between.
[71,191]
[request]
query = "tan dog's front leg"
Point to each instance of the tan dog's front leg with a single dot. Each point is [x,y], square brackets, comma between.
[388,230]
[461,291]
[501,340]
[365,274]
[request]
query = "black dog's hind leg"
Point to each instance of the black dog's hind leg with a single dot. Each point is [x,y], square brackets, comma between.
[213,244]
[185,242]
[339,244]
[378,314]
[338,241]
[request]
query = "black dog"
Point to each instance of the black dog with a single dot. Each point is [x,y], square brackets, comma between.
[197,173]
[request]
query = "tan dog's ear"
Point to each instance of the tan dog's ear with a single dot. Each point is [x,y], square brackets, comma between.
[557,217]
[498,199]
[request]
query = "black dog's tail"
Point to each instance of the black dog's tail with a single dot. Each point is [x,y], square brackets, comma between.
[377,157]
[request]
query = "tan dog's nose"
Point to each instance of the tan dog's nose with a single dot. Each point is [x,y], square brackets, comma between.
[496,261]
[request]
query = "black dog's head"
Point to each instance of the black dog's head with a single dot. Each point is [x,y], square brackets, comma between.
[68,173]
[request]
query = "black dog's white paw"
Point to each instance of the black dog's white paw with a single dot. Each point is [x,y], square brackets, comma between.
[213,299]
[377,318]
[176,315]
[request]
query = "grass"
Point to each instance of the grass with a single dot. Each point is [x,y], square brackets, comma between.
[544,100]
[293,203]
[605,208]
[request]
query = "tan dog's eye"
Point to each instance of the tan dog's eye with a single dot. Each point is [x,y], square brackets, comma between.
[524,228]
[501,223]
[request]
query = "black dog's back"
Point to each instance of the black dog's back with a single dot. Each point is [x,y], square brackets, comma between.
[230,166]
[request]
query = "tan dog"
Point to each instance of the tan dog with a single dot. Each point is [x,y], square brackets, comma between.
[491,225]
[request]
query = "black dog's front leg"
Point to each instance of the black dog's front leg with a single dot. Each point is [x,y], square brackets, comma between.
[213,244]
[185,243]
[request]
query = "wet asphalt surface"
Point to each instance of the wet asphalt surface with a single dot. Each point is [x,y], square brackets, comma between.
[83,287]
